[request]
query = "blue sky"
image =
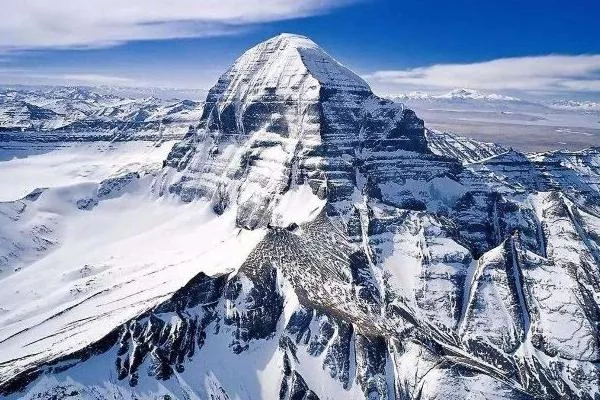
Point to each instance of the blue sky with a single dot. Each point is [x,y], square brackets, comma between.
[525,47]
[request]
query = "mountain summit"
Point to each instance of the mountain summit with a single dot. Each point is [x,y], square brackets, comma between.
[332,247]
[287,114]
[290,64]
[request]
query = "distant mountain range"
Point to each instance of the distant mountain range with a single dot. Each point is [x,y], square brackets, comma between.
[456,94]
[306,240]
[586,106]
[477,98]
[53,113]
[80,110]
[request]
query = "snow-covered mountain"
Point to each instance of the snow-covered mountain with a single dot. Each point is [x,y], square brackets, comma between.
[531,125]
[456,94]
[476,99]
[572,105]
[467,100]
[78,111]
[308,239]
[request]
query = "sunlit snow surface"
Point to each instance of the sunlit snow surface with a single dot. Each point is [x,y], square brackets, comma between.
[25,166]
[70,275]
[111,263]
[352,253]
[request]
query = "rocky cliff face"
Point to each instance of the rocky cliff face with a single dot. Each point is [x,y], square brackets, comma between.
[396,262]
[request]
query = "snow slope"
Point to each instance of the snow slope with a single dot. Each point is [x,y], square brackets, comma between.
[25,166]
[106,266]
[306,240]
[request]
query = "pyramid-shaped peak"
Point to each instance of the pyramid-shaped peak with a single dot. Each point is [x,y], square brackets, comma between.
[286,62]
[293,39]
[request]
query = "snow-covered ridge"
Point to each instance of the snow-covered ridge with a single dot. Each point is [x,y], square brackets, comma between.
[318,241]
[287,62]
[456,94]
[476,95]
[573,105]
[77,110]
[462,148]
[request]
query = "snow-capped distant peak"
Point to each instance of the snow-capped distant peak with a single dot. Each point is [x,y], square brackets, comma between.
[457,94]
[572,105]
[476,95]
[416,95]
[464,93]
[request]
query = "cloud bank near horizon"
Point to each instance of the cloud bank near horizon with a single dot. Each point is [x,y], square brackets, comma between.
[537,74]
[551,75]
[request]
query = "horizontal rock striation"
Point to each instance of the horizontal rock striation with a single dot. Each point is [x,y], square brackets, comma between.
[397,262]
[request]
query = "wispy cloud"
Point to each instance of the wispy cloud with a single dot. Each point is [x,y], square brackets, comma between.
[38,24]
[550,73]
[96,79]
[28,76]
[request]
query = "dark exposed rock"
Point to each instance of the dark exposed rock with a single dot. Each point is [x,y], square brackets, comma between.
[434,266]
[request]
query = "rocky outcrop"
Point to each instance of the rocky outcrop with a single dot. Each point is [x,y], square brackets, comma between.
[464,149]
[396,263]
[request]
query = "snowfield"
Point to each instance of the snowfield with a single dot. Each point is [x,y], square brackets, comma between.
[25,166]
[306,239]
[106,265]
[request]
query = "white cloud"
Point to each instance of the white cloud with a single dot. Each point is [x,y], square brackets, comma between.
[35,77]
[550,73]
[96,79]
[37,24]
